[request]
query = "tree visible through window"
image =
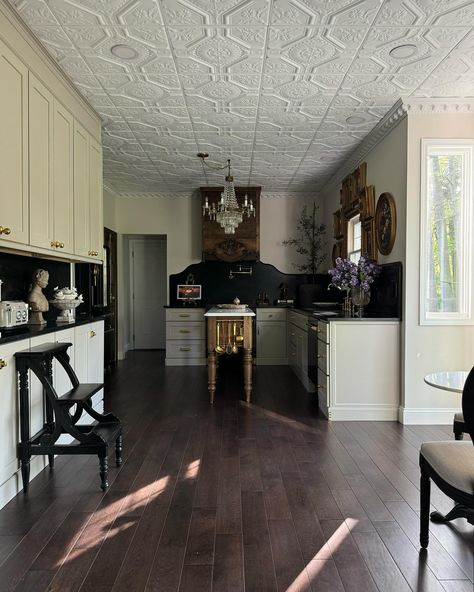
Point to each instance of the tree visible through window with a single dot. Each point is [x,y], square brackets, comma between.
[447,228]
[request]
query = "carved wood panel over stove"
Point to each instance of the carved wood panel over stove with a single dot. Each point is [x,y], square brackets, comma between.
[244,245]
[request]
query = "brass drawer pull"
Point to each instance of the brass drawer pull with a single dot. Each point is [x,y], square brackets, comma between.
[92,333]
[61,245]
[184,349]
[5,230]
[184,316]
[93,253]
[3,364]
[184,331]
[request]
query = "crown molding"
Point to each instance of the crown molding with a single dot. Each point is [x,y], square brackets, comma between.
[415,106]
[390,120]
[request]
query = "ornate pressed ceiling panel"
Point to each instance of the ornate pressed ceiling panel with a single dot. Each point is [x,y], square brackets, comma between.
[286,88]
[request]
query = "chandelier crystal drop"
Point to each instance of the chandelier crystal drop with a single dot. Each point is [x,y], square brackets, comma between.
[227,212]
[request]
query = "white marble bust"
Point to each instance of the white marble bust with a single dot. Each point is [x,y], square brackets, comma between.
[36,299]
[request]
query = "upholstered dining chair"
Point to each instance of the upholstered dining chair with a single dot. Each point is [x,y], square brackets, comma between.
[451,466]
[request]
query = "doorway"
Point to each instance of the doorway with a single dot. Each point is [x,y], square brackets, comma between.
[148,283]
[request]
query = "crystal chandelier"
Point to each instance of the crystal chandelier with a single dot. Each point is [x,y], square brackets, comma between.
[227,212]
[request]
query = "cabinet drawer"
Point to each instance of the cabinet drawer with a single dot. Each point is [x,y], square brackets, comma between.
[323,383]
[323,356]
[185,331]
[272,314]
[323,331]
[189,349]
[184,315]
[298,319]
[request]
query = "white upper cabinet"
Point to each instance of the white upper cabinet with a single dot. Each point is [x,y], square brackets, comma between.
[50,166]
[88,227]
[13,149]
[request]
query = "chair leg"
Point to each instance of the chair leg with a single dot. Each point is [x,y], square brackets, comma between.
[104,470]
[458,432]
[51,461]
[425,486]
[118,450]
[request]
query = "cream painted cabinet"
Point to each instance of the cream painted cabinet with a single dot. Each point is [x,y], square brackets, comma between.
[271,336]
[13,149]
[88,226]
[185,337]
[50,167]
[9,419]
[298,346]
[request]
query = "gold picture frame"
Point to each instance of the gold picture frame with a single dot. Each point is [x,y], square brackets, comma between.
[386,223]
[367,203]
[369,244]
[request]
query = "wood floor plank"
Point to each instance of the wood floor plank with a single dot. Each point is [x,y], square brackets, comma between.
[289,565]
[384,570]
[351,567]
[200,545]
[457,585]
[323,576]
[229,513]
[228,571]
[196,578]
[35,581]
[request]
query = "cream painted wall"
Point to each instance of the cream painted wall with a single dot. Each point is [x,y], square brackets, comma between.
[387,171]
[110,218]
[278,219]
[429,348]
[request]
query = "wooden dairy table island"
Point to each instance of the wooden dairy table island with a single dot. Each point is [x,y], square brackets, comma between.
[229,330]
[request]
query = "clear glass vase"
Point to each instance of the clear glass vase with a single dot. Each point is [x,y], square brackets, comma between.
[360,298]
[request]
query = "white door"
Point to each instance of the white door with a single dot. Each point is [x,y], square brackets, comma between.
[148,283]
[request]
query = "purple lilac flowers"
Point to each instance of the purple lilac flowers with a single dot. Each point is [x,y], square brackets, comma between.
[346,274]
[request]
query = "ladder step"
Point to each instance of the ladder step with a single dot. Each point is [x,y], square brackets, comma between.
[107,431]
[82,392]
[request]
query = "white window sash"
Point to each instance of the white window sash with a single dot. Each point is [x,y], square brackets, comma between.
[465,316]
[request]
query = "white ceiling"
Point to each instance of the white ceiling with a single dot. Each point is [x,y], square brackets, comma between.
[268,83]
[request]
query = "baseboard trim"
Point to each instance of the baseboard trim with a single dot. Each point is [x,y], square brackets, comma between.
[363,413]
[185,362]
[426,416]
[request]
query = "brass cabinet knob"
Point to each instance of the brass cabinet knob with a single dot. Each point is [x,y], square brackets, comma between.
[319,356]
[185,349]
[92,333]
[61,245]
[5,230]
[53,244]
[3,364]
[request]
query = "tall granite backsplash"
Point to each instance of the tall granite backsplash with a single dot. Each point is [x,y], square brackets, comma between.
[219,285]
[16,272]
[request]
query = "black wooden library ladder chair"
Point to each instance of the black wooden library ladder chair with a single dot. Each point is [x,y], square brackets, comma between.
[451,466]
[60,417]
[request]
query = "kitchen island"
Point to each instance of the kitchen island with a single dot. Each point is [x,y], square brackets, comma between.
[236,326]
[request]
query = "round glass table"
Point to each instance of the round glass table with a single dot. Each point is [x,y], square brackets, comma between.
[448,381]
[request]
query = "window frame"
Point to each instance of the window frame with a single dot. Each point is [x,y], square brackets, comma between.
[351,223]
[466,316]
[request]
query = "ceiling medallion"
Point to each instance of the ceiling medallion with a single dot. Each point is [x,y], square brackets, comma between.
[403,51]
[227,212]
[124,52]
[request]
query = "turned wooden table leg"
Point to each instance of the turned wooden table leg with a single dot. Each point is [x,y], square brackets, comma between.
[247,374]
[211,374]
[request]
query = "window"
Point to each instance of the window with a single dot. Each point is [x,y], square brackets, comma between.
[354,239]
[446,227]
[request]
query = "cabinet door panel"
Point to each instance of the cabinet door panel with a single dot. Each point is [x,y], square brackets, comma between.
[81,192]
[63,127]
[271,339]
[96,199]
[9,416]
[13,147]
[80,352]
[40,110]
[95,352]
[61,380]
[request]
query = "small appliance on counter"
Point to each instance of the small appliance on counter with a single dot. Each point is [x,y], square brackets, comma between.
[13,313]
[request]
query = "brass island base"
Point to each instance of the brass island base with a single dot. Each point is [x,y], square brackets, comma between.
[225,335]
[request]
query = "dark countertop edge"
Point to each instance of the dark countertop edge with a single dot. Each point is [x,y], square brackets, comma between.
[28,332]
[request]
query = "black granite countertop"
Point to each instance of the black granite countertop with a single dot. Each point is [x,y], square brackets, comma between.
[28,331]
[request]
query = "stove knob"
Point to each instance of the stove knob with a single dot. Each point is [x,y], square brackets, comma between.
[18,315]
[23,315]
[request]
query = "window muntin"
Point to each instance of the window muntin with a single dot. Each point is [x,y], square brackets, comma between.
[446,229]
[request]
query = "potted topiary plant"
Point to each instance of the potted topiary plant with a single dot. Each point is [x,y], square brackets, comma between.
[310,244]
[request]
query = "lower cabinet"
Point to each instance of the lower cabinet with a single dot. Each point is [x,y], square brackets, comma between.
[271,337]
[298,347]
[87,357]
[358,370]
[185,337]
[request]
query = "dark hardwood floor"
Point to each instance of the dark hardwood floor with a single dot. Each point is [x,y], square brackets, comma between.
[231,498]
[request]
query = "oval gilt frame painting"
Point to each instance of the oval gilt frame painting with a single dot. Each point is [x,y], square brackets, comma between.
[385,223]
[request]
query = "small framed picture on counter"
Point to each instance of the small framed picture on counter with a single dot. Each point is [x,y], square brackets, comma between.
[189,292]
